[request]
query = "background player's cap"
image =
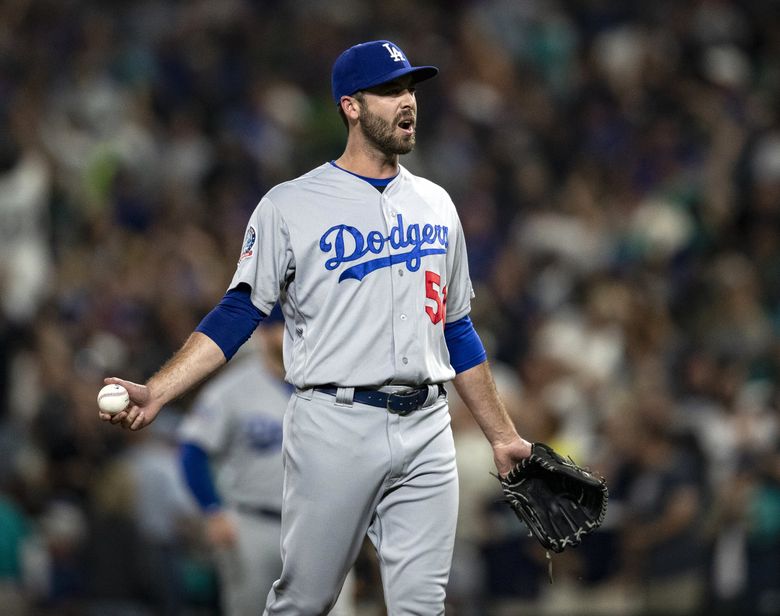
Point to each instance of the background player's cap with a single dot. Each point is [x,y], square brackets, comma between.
[370,64]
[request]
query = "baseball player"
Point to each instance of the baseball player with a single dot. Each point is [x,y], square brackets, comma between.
[369,264]
[234,431]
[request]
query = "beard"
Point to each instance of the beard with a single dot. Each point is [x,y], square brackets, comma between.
[381,134]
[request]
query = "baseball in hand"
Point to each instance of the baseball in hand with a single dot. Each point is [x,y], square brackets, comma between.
[113,398]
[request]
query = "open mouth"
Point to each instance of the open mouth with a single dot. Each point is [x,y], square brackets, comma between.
[407,125]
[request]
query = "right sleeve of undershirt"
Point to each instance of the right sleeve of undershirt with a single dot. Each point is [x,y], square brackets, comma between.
[231,323]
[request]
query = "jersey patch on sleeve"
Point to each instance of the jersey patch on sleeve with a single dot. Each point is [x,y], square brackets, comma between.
[249,242]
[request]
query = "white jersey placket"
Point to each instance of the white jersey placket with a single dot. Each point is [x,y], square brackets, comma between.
[400,304]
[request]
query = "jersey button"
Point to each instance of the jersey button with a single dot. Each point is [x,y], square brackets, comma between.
[400,272]
[404,360]
[403,317]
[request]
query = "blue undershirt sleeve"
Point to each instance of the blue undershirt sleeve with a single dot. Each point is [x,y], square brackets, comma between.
[195,464]
[464,345]
[232,321]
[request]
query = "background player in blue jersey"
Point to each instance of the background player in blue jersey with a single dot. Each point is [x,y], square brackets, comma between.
[369,264]
[231,455]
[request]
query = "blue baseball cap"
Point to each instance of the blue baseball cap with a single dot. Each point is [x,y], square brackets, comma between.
[370,64]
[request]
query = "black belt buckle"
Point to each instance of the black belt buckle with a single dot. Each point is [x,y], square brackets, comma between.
[403,403]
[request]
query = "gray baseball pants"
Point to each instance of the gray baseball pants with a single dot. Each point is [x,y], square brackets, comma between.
[352,469]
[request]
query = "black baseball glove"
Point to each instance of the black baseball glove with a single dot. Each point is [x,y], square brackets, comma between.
[559,501]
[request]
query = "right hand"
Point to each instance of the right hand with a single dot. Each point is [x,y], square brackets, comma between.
[142,408]
[221,530]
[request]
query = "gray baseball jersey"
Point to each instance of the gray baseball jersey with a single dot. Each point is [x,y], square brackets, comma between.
[366,279]
[237,419]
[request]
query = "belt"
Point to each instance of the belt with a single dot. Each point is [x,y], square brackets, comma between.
[264,512]
[399,403]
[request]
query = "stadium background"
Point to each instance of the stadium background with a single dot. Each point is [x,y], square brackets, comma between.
[617,169]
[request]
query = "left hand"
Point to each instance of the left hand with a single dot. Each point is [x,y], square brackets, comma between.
[506,455]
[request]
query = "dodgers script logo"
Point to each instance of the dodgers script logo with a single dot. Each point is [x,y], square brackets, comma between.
[348,244]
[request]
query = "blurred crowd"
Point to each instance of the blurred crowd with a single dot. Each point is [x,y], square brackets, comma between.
[616,166]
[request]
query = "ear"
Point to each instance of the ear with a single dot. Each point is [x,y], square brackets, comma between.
[350,106]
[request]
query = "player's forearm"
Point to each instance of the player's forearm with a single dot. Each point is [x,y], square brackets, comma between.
[197,359]
[478,390]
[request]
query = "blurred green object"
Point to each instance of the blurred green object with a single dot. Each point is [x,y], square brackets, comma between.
[199,579]
[765,514]
[14,528]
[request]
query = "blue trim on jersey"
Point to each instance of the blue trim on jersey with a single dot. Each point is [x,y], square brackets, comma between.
[464,345]
[372,181]
[195,464]
[232,321]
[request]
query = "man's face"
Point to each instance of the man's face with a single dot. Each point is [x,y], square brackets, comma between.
[388,116]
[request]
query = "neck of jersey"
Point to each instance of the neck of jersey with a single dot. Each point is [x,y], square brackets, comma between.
[379,183]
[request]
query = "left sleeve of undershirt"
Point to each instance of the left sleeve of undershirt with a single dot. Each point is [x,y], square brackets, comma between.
[464,345]
[232,321]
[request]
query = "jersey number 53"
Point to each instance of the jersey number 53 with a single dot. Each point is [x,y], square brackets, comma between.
[438,294]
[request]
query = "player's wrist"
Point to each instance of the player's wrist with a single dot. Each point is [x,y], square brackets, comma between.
[150,386]
[215,517]
[515,448]
[213,510]
[506,440]
[155,393]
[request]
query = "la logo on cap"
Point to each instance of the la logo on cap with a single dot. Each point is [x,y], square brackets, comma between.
[394,52]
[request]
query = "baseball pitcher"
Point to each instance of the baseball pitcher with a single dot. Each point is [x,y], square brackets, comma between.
[369,264]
